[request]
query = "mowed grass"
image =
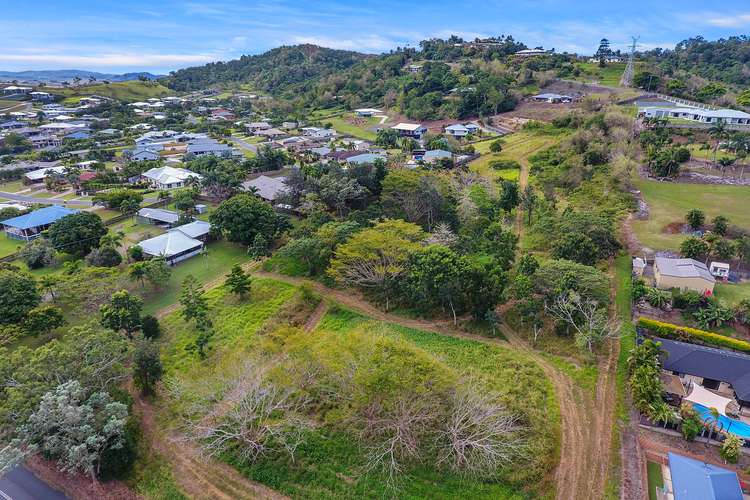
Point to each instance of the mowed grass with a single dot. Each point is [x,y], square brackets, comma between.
[669,202]
[12,187]
[130,91]
[732,293]
[329,464]
[9,246]
[517,146]
[354,126]
[655,479]
[215,263]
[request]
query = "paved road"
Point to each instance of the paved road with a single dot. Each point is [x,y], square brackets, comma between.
[244,144]
[21,484]
[31,199]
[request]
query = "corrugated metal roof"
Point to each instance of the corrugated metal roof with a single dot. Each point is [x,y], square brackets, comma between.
[696,480]
[40,217]
[169,244]
[683,268]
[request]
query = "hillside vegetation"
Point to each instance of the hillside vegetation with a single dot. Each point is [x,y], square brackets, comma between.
[278,71]
[130,91]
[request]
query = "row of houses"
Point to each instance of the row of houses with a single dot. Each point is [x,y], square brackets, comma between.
[700,115]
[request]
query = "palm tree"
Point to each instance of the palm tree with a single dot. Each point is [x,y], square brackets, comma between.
[718,131]
[137,272]
[713,425]
[112,239]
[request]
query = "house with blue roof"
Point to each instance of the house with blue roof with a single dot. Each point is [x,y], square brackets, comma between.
[30,226]
[690,479]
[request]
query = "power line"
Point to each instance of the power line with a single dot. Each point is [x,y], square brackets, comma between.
[627,75]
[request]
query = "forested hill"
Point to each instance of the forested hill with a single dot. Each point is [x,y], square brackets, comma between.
[726,60]
[281,70]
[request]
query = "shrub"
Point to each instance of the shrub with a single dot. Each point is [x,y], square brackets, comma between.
[505,165]
[691,423]
[135,253]
[117,463]
[689,299]
[104,257]
[38,253]
[692,335]
[730,448]
[150,327]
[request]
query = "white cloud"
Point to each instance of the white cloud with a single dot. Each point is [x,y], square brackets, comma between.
[724,21]
[364,43]
[108,60]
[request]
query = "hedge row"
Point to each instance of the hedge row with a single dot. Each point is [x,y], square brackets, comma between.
[692,335]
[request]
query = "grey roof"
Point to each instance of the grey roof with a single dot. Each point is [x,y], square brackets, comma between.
[683,268]
[207,146]
[159,214]
[169,244]
[365,158]
[716,364]
[437,153]
[269,188]
[195,229]
[552,96]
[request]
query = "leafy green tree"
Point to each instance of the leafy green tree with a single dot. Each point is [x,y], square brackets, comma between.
[313,253]
[123,313]
[576,247]
[557,276]
[720,225]
[691,423]
[496,146]
[184,200]
[743,98]
[135,253]
[38,253]
[77,234]
[374,259]
[238,282]
[418,197]
[436,279]
[18,295]
[695,218]
[694,248]
[500,243]
[387,138]
[147,367]
[157,272]
[106,256]
[150,327]
[528,202]
[509,196]
[730,448]
[243,217]
[194,303]
[645,369]
[42,320]
[74,429]
[724,249]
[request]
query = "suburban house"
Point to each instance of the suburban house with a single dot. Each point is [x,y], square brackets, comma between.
[288,125]
[271,133]
[38,176]
[457,130]
[256,126]
[41,96]
[414,68]
[29,226]
[207,147]
[145,154]
[365,158]
[685,274]
[268,188]
[532,52]
[690,479]
[436,154]
[12,124]
[728,116]
[414,130]
[552,98]
[45,141]
[169,177]
[157,217]
[317,132]
[174,245]
[367,112]
[198,229]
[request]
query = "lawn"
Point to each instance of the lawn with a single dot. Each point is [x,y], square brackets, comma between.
[608,76]
[135,232]
[130,91]
[329,463]
[655,479]
[8,245]
[12,187]
[517,146]
[732,293]
[355,127]
[669,202]
[216,262]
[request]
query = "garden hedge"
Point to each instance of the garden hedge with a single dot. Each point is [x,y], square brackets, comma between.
[692,335]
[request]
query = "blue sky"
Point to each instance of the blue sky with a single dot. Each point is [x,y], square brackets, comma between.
[159,36]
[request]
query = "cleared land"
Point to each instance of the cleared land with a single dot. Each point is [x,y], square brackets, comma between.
[732,293]
[329,464]
[123,91]
[608,76]
[8,245]
[668,203]
[517,146]
[354,126]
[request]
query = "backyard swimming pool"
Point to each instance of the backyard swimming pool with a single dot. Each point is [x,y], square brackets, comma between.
[736,427]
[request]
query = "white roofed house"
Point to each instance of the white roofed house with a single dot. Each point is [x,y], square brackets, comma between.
[457,130]
[169,177]
[728,116]
[367,112]
[174,246]
[157,217]
[415,130]
[38,176]
[552,98]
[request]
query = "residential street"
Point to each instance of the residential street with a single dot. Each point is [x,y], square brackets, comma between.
[244,144]
[21,484]
[31,199]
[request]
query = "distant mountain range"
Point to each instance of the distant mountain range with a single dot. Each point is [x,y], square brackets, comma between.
[60,75]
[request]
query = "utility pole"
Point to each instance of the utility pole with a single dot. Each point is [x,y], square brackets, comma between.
[627,75]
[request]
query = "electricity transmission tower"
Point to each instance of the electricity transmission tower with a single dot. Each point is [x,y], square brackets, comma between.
[627,75]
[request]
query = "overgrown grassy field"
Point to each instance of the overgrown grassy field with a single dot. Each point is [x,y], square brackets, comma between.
[329,463]
[8,245]
[12,187]
[517,146]
[131,91]
[608,76]
[355,127]
[669,202]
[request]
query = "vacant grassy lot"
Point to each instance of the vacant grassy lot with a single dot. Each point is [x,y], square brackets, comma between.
[12,187]
[131,91]
[329,463]
[669,202]
[354,126]
[517,146]
[608,76]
